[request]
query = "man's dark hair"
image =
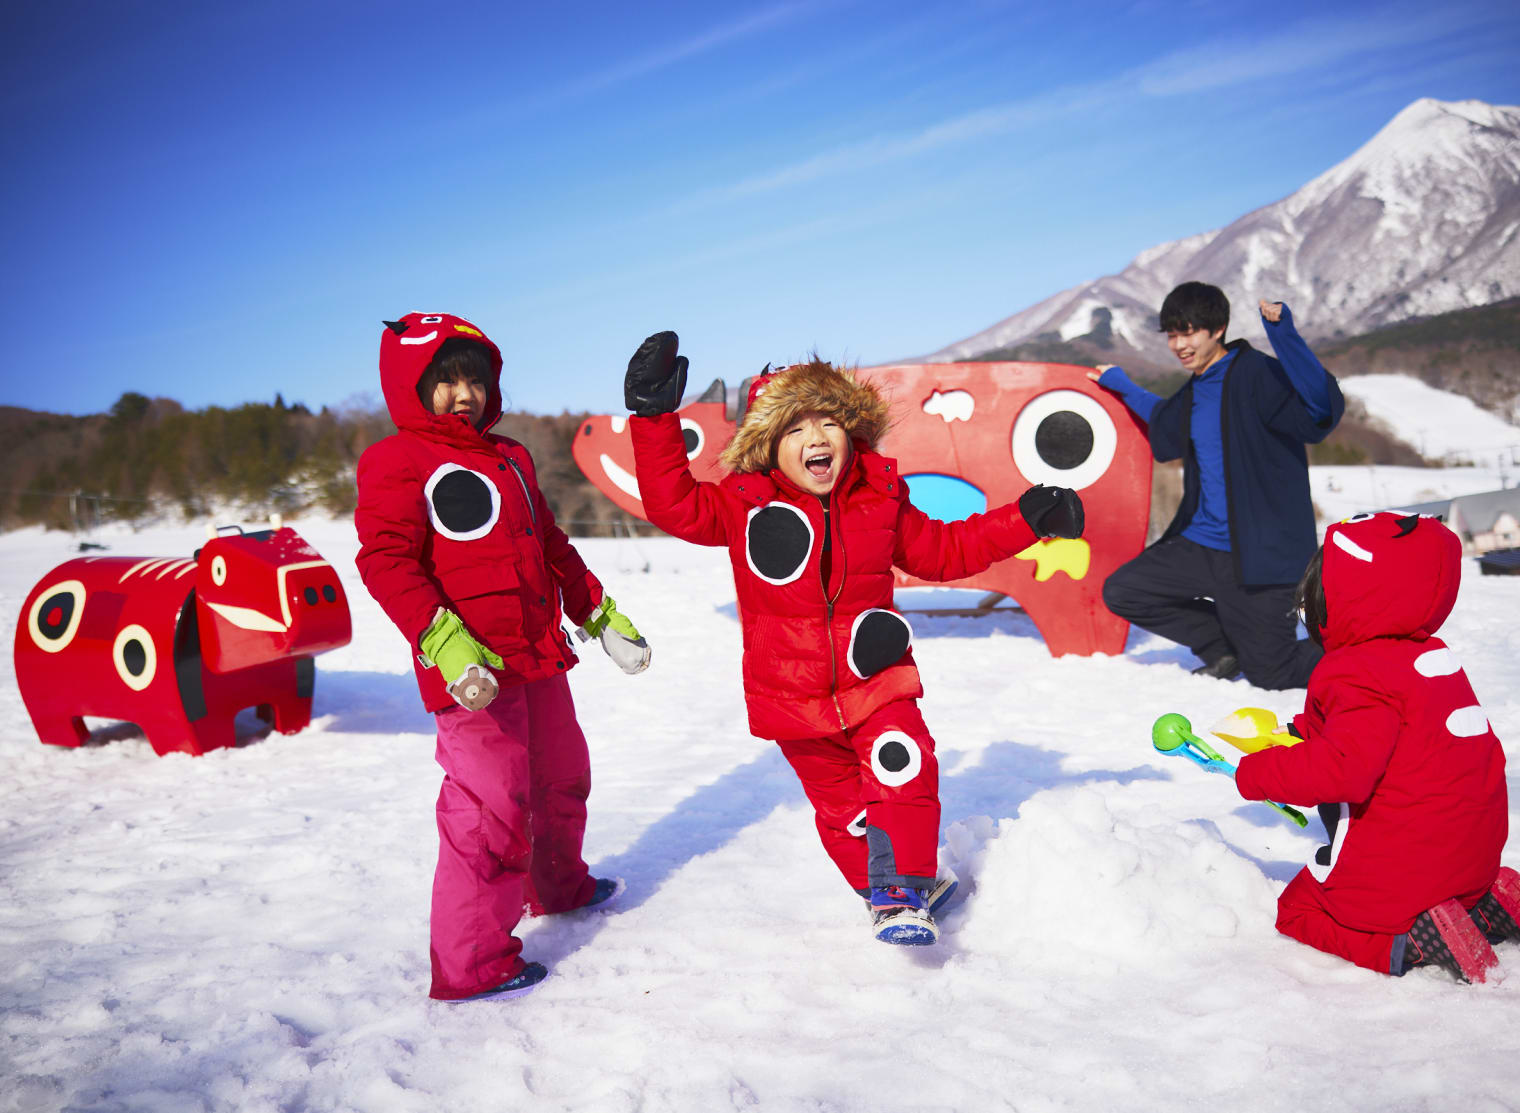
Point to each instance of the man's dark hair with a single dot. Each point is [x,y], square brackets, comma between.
[1309,598]
[455,359]
[1195,305]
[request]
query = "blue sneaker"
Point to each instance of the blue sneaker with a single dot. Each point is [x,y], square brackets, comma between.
[900,915]
[518,985]
[945,886]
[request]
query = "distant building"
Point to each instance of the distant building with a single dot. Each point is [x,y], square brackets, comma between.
[1484,521]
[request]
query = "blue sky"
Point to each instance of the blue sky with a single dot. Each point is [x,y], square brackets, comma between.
[214,202]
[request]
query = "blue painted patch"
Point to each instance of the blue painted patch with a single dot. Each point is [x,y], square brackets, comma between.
[946,497]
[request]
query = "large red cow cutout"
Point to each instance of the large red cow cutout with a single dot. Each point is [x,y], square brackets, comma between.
[968,436]
[180,646]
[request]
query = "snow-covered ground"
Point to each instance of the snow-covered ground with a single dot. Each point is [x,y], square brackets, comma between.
[1340,490]
[1437,424]
[248,930]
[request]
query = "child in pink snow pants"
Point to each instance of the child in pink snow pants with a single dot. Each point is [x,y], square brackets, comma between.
[461,551]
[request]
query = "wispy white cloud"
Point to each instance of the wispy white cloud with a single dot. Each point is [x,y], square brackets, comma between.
[1314,44]
[1310,44]
[755,23]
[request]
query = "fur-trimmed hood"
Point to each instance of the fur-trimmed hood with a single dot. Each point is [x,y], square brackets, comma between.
[803,388]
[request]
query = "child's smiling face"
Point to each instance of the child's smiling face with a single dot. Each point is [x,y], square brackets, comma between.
[813,452]
[461,395]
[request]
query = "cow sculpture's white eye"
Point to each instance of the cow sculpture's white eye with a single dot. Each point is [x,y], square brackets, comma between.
[218,570]
[134,656]
[691,432]
[432,321]
[54,618]
[1064,438]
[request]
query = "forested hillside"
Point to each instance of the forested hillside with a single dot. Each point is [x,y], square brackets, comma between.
[150,458]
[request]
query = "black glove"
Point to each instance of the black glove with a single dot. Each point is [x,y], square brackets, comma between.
[1052,511]
[656,377]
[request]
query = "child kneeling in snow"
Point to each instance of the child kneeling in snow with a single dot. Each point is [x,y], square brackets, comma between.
[1394,737]
[459,548]
[814,521]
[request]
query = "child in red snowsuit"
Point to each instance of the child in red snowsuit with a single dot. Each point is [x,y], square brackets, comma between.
[814,521]
[461,551]
[1394,737]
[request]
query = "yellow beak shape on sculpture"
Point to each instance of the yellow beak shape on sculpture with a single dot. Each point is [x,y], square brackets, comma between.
[1058,554]
[1250,729]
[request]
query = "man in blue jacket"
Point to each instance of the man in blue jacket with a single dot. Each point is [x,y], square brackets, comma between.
[1220,580]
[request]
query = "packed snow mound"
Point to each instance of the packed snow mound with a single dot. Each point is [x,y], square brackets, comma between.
[1076,885]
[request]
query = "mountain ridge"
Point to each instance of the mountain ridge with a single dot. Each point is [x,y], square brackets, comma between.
[1423,219]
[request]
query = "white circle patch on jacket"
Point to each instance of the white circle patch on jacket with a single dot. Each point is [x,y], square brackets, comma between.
[878,638]
[1437,662]
[778,539]
[895,758]
[462,504]
[1467,722]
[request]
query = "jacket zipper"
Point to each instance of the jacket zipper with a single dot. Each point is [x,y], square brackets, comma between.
[523,483]
[838,554]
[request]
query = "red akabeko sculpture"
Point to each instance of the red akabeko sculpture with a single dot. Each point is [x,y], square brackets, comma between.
[179,646]
[968,436]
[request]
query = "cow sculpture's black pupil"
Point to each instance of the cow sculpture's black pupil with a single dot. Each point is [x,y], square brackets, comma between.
[1064,440]
[56,613]
[691,439]
[134,657]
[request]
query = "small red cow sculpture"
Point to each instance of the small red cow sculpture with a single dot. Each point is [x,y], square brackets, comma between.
[180,646]
[968,436]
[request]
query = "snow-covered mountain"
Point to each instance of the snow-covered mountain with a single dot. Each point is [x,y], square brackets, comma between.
[1423,219]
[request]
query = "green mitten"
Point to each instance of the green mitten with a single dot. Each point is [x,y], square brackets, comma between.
[620,638]
[460,660]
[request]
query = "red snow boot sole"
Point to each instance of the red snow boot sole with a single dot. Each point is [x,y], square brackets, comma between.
[1446,936]
[1498,913]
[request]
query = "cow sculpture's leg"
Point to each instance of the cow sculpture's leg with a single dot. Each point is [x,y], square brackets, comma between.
[61,730]
[291,682]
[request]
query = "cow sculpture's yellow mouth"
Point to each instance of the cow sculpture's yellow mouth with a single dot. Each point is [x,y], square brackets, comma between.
[246,618]
[1058,554]
[250,618]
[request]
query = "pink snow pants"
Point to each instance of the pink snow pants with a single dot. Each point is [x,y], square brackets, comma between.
[511,817]
[875,794]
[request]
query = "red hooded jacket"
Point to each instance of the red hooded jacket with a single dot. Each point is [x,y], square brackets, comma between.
[452,517]
[1392,728]
[817,658]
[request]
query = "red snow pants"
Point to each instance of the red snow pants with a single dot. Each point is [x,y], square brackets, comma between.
[1301,915]
[511,817]
[875,794]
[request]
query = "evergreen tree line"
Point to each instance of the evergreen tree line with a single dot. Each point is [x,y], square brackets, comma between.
[151,457]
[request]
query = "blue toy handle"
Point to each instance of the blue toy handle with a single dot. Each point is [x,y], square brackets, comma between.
[1173,734]
[1203,761]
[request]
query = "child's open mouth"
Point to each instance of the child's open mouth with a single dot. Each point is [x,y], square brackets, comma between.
[819,465]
